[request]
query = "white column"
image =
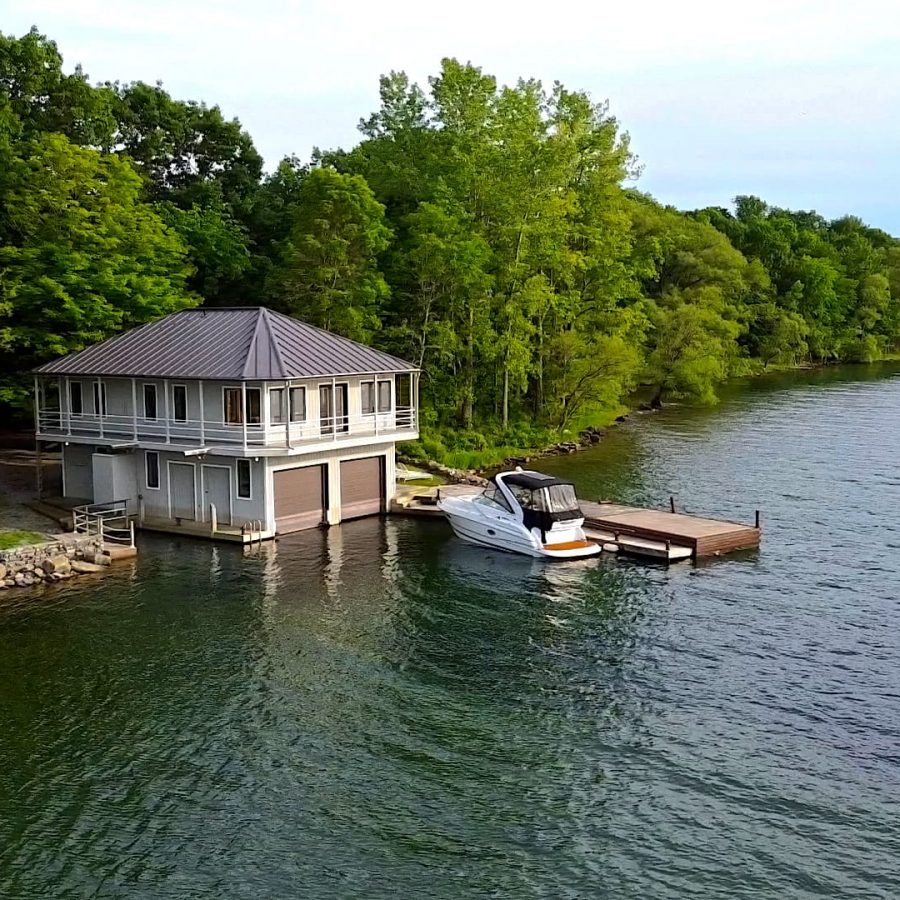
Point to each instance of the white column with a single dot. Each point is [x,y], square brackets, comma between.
[334,409]
[166,408]
[99,410]
[202,425]
[134,407]
[244,410]
[286,409]
[68,408]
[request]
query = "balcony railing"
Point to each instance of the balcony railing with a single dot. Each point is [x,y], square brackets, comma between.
[196,433]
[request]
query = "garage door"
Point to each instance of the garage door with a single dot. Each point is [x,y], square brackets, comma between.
[299,498]
[362,487]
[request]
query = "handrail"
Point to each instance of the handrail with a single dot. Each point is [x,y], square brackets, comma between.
[197,432]
[98,519]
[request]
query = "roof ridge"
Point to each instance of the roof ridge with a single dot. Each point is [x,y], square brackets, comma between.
[264,313]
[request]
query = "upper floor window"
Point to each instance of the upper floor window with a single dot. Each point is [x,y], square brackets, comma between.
[99,398]
[384,396]
[76,406]
[277,412]
[404,391]
[234,412]
[298,404]
[179,402]
[367,397]
[150,401]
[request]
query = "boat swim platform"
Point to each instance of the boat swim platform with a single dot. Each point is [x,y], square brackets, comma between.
[650,533]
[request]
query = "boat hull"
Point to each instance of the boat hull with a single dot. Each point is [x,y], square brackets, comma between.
[512,537]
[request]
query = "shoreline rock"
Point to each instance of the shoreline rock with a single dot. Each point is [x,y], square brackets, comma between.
[56,559]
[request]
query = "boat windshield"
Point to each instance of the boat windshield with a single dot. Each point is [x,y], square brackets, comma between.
[557,498]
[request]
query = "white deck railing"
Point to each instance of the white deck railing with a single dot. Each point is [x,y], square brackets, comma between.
[108,521]
[193,432]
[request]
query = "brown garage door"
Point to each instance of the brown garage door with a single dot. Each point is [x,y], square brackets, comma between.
[299,498]
[362,487]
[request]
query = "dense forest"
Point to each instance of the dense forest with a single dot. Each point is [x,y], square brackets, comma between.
[488,233]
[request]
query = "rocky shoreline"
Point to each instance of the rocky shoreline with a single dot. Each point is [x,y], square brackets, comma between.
[57,559]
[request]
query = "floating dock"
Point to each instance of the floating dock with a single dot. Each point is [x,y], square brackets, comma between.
[676,532]
[649,533]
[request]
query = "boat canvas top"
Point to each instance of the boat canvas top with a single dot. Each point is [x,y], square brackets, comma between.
[532,480]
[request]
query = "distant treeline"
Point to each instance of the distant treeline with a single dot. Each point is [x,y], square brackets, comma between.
[486,233]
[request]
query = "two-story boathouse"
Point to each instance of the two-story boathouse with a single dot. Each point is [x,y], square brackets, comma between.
[210,419]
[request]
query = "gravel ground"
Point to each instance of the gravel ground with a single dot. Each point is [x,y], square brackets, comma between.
[17,486]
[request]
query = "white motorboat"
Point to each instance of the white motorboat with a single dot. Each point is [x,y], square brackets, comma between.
[522,512]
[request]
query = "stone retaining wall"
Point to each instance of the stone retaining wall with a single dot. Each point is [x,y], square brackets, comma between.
[54,560]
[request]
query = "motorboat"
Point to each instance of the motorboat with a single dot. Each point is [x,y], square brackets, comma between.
[522,512]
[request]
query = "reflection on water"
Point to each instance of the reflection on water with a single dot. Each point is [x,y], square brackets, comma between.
[381,710]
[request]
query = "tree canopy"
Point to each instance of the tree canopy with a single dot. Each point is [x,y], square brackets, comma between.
[491,234]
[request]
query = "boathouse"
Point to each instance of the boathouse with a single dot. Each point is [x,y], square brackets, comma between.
[226,422]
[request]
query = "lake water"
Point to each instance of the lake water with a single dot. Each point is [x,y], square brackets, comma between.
[378,711]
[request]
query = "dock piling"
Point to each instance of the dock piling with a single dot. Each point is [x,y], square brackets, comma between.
[672,504]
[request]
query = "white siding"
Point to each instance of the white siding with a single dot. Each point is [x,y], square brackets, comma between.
[156,503]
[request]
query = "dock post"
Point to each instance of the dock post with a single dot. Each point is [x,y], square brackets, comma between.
[672,504]
[757,520]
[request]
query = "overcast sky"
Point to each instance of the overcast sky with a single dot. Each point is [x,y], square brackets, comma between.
[796,101]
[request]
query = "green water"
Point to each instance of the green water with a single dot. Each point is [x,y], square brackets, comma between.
[381,711]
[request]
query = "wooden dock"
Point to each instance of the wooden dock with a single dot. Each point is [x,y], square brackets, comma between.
[650,533]
[703,537]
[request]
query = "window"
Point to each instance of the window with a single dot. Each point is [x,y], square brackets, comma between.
[243,479]
[151,460]
[254,406]
[179,403]
[99,398]
[404,391]
[276,406]
[298,404]
[367,395]
[149,401]
[234,415]
[384,396]
[75,404]
[233,412]
[492,494]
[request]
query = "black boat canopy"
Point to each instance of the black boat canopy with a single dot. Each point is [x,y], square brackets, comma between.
[532,480]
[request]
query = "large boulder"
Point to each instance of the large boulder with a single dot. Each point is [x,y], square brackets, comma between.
[53,565]
[80,567]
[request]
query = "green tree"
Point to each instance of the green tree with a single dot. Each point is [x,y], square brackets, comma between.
[81,257]
[327,270]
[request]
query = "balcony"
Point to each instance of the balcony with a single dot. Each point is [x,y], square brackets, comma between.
[54,424]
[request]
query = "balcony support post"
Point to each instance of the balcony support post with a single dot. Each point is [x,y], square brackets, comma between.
[100,404]
[68,402]
[134,408]
[166,408]
[244,410]
[202,426]
[286,412]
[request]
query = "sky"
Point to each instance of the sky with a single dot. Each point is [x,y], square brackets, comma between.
[797,102]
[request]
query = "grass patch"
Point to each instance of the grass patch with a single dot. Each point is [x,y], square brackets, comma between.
[11,539]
